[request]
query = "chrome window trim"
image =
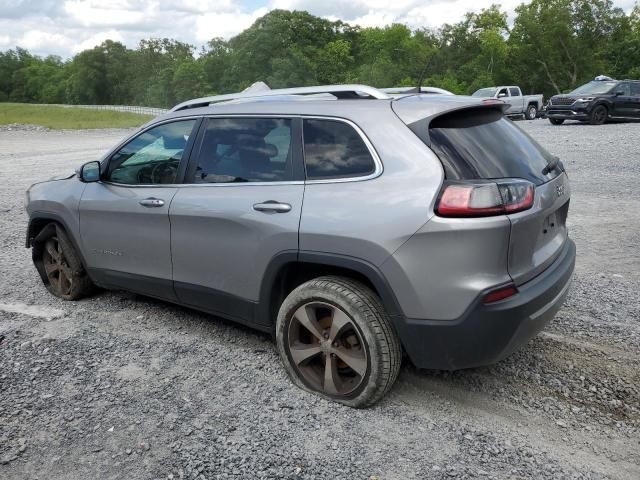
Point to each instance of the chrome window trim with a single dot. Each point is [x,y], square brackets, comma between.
[379,168]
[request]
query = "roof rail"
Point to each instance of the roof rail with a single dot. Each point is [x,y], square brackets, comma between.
[340,91]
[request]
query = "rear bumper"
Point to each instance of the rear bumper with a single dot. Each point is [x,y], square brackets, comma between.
[485,334]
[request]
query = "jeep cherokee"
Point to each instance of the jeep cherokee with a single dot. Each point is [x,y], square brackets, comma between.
[351,225]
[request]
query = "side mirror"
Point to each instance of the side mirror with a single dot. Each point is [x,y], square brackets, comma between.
[619,93]
[90,172]
[502,95]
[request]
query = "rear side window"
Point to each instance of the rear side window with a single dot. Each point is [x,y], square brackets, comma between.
[245,150]
[635,89]
[514,92]
[482,144]
[333,149]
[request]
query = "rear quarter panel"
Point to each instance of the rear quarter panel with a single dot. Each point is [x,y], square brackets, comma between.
[370,219]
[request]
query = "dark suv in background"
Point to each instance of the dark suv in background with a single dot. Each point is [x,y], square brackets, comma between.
[596,102]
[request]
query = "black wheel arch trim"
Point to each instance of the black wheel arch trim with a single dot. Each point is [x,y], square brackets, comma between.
[52,217]
[363,267]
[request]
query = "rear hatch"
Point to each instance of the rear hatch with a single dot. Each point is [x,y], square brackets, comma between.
[478,145]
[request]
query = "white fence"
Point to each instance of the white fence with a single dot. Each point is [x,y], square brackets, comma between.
[117,108]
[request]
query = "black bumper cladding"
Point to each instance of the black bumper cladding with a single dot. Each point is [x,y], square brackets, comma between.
[486,334]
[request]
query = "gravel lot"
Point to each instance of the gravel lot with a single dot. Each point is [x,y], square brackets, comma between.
[121,386]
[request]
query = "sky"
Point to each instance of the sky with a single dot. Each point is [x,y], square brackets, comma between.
[66,27]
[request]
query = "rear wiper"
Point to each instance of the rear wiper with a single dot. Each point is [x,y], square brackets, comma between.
[553,164]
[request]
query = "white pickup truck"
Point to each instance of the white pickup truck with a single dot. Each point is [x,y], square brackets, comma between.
[525,105]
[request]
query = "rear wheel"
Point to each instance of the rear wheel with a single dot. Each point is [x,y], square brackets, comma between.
[336,340]
[556,121]
[598,115]
[62,270]
[532,112]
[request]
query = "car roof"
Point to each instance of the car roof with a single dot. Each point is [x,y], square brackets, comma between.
[421,105]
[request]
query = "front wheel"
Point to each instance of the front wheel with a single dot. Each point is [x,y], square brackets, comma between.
[336,340]
[59,264]
[556,121]
[598,115]
[532,112]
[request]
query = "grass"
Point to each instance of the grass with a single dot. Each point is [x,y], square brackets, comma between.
[68,118]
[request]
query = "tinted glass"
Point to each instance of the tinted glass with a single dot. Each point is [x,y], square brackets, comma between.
[624,89]
[635,89]
[482,144]
[334,149]
[245,150]
[485,92]
[514,92]
[152,157]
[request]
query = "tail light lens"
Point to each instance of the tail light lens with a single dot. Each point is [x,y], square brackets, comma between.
[483,199]
[500,294]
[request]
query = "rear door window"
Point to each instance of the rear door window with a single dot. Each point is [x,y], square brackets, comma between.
[482,144]
[334,149]
[245,150]
[635,89]
[515,92]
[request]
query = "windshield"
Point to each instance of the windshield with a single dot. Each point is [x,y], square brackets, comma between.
[594,88]
[485,92]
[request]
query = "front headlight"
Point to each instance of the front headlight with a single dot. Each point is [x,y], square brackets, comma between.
[585,99]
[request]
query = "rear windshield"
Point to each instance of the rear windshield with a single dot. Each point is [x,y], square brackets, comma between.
[482,144]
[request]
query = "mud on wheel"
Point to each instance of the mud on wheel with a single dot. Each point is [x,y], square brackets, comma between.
[59,264]
[336,340]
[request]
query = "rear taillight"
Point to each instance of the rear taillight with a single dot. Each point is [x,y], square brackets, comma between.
[483,199]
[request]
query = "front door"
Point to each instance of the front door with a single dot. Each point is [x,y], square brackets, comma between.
[623,101]
[240,210]
[124,218]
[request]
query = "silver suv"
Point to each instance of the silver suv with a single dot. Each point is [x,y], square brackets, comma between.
[353,225]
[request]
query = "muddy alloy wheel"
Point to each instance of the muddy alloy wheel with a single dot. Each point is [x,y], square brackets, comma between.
[326,348]
[336,340]
[59,274]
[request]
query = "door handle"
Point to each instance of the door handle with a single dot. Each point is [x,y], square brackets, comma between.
[272,206]
[152,202]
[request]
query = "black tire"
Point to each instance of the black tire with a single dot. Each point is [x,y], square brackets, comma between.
[59,264]
[556,121]
[598,115]
[532,112]
[369,322]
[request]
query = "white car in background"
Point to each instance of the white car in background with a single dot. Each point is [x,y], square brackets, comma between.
[527,106]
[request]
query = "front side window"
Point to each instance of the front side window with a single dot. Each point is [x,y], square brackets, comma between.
[624,89]
[152,157]
[245,150]
[333,149]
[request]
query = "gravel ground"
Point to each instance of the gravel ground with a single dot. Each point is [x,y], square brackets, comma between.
[121,386]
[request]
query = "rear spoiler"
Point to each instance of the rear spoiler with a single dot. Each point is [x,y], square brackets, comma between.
[418,115]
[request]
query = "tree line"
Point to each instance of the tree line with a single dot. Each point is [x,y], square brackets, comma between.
[551,46]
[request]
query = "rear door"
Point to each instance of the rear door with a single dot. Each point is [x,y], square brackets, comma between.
[124,218]
[479,144]
[239,210]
